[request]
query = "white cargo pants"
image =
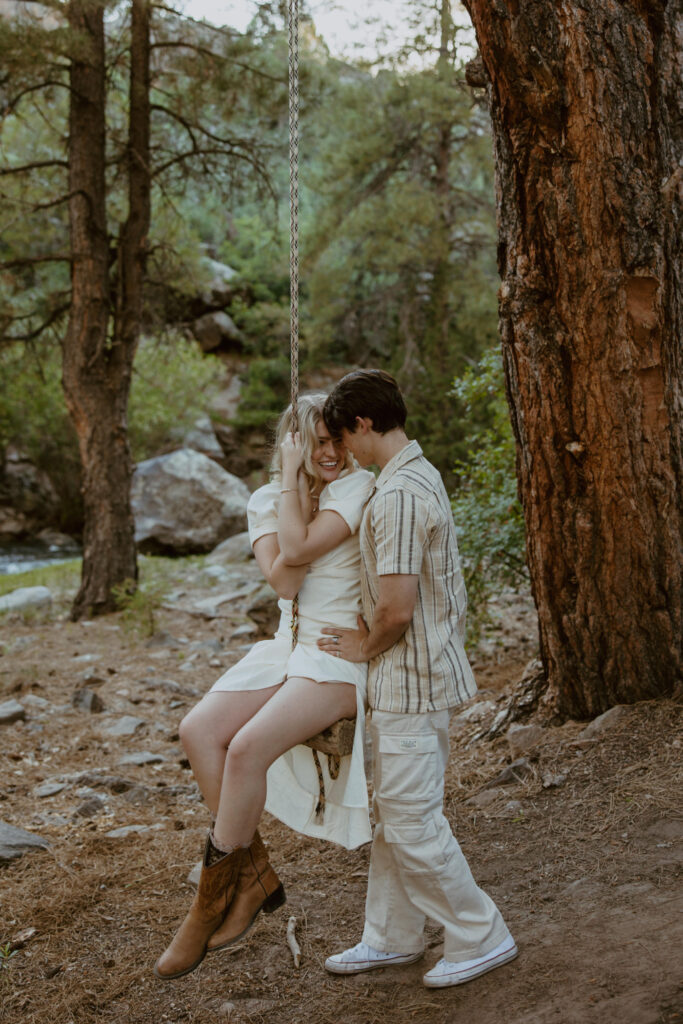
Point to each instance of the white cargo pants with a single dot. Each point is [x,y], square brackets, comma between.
[417,869]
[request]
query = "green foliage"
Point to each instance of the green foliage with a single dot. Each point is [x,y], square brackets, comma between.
[7,954]
[486,509]
[173,383]
[265,392]
[139,604]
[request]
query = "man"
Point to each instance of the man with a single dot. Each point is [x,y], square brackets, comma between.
[414,602]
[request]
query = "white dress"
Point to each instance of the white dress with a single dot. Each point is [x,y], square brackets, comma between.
[329,596]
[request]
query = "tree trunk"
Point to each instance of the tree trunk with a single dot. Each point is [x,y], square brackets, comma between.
[96,367]
[583,101]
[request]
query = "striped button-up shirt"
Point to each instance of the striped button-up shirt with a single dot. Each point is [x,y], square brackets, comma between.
[408,529]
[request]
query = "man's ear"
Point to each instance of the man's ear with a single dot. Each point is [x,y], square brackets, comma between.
[363,424]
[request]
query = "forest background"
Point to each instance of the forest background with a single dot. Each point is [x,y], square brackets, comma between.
[398,230]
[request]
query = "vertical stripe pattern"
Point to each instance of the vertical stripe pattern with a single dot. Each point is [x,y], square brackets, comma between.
[408,529]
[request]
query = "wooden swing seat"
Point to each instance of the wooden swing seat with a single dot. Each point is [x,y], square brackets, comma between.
[336,740]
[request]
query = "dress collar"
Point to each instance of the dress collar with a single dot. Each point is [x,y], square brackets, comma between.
[411,451]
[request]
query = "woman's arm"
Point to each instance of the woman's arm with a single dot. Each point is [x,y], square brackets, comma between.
[286,580]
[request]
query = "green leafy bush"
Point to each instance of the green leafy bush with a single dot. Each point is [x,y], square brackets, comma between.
[487,512]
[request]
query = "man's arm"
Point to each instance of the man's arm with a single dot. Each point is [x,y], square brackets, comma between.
[393,614]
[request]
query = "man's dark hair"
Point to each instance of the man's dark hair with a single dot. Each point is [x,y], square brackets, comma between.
[366,393]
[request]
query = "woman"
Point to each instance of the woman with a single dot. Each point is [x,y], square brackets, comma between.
[303,527]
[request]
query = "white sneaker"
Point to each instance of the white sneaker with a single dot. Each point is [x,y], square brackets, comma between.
[446,973]
[364,958]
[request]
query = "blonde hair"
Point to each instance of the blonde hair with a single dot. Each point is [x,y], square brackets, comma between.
[310,411]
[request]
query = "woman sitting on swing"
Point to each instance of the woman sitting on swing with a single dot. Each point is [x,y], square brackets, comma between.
[303,527]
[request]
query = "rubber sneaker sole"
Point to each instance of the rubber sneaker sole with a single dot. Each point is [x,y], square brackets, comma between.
[456,977]
[357,966]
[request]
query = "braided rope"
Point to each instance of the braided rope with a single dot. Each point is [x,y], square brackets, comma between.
[294,202]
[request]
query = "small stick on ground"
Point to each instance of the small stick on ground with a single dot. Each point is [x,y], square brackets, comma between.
[292,943]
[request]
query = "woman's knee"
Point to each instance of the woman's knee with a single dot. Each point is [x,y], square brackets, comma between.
[245,754]
[198,728]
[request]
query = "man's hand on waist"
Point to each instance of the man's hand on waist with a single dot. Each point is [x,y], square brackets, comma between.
[345,643]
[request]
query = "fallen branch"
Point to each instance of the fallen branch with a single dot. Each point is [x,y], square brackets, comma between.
[292,943]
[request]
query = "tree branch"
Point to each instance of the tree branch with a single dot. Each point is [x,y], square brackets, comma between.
[33,166]
[28,261]
[208,52]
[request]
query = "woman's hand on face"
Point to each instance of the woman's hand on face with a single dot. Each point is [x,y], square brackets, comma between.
[345,643]
[292,453]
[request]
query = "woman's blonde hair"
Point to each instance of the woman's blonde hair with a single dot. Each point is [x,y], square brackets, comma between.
[310,410]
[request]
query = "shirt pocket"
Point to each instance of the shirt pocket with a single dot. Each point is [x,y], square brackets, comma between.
[408,765]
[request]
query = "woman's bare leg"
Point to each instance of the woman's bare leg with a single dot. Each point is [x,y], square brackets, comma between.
[207,730]
[299,710]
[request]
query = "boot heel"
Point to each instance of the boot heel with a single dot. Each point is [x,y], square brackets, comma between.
[275,900]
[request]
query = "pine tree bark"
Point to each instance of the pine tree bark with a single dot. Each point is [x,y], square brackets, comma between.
[583,98]
[98,357]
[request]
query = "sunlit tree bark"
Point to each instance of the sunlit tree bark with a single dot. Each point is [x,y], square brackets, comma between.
[584,99]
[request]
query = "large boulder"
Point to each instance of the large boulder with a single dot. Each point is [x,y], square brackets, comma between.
[26,598]
[28,500]
[219,289]
[184,503]
[216,330]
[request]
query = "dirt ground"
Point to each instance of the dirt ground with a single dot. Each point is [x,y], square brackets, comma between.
[582,855]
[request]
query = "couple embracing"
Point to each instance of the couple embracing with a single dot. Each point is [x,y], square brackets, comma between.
[327,533]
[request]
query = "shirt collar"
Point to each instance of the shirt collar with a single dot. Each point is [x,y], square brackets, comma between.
[411,451]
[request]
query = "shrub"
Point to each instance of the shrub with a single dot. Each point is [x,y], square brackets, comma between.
[486,508]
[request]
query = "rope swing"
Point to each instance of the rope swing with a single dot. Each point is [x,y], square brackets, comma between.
[336,741]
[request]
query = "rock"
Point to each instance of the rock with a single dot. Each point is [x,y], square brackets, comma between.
[195,874]
[87,700]
[11,711]
[475,712]
[216,573]
[125,726]
[484,798]
[138,796]
[518,771]
[24,598]
[21,938]
[185,503]
[216,330]
[87,657]
[234,549]
[127,830]
[219,289]
[92,677]
[56,541]
[90,807]
[523,738]
[49,789]
[34,701]
[28,499]
[113,783]
[226,402]
[141,757]
[15,841]
[165,639]
[550,781]
[222,604]
[513,807]
[242,454]
[246,629]
[200,437]
[603,723]
[169,686]
[263,608]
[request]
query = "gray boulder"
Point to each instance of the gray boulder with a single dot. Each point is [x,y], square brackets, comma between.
[15,841]
[11,711]
[185,503]
[218,290]
[215,329]
[24,598]
[200,437]
[234,549]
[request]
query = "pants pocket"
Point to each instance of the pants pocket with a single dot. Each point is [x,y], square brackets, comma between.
[407,767]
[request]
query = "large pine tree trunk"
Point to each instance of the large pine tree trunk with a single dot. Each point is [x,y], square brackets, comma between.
[583,97]
[96,366]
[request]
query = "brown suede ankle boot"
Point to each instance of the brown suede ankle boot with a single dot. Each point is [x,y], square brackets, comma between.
[258,888]
[216,889]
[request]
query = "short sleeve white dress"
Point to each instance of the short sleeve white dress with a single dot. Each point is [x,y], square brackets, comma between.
[329,596]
